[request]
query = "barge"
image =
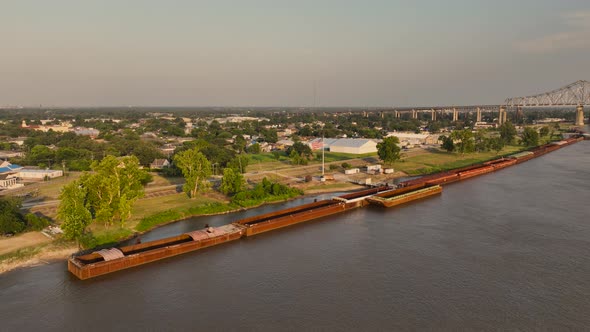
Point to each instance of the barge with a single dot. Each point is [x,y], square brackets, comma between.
[110,260]
[115,259]
[402,196]
[489,166]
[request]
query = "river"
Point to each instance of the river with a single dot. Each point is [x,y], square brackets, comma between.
[507,250]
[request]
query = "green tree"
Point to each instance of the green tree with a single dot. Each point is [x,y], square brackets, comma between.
[270,135]
[239,163]
[447,143]
[232,182]
[303,150]
[466,141]
[113,188]
[195,168]
[40,154]
[296,158]
[254,148]
[145,152]
[11,220]
[482,143]
[530,137]
[35,222]
[73,210]
[389,150]
[496,144]
[276,155]
[544,131]
[507,132]
[434,127]
[240,143]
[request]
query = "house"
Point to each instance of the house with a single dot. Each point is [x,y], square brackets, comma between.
[160,164]
[62,128]
[39,174]
[8,175]
[353,145]
[8,168]
[7,182]
[284,143]
[10,154]
[168,149]
[82,131]
[20,141]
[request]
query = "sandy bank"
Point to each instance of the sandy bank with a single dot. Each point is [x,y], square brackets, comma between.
[44,256]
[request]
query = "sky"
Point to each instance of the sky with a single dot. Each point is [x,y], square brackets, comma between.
[288,53]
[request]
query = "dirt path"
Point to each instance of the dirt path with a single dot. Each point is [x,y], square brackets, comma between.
[22,241]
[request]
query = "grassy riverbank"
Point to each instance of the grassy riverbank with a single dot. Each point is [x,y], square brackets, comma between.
[436,160]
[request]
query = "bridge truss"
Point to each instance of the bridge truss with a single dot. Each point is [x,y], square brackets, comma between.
[575,94]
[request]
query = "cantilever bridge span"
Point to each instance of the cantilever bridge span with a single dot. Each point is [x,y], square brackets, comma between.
[576,94]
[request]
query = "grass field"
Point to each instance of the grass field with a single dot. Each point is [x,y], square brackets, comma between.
[438,160]
[149,206]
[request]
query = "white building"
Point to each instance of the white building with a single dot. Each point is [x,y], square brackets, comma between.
[39,174]
[353,145]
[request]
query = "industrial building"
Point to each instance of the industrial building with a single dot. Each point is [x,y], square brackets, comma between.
[345,145]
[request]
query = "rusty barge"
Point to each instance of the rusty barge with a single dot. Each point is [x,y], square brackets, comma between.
[110,260]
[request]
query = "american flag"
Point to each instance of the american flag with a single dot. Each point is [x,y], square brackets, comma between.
[317,144]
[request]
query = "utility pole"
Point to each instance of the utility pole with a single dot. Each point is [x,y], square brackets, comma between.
[323,155]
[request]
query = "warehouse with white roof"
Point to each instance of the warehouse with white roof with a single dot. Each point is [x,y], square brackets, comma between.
[353,145]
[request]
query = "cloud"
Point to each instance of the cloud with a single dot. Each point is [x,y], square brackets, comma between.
[576,36]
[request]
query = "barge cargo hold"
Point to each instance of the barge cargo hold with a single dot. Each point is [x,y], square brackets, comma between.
[394,198]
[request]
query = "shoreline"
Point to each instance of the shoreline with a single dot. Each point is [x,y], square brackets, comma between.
[43,257]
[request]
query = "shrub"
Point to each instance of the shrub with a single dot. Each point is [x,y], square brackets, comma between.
[36,223]
[157,219]
[265,191]
[11,220]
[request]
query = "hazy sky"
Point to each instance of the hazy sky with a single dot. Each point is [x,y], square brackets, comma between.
[272,53]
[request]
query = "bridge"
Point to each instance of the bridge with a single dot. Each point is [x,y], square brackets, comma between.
[576,94]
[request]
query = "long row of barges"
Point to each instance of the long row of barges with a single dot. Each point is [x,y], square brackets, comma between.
[110,260]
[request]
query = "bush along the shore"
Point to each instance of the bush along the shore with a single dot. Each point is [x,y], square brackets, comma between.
[265,191]
[157,219]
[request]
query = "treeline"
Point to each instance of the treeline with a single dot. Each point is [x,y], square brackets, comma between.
[466,141]
[77,152]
